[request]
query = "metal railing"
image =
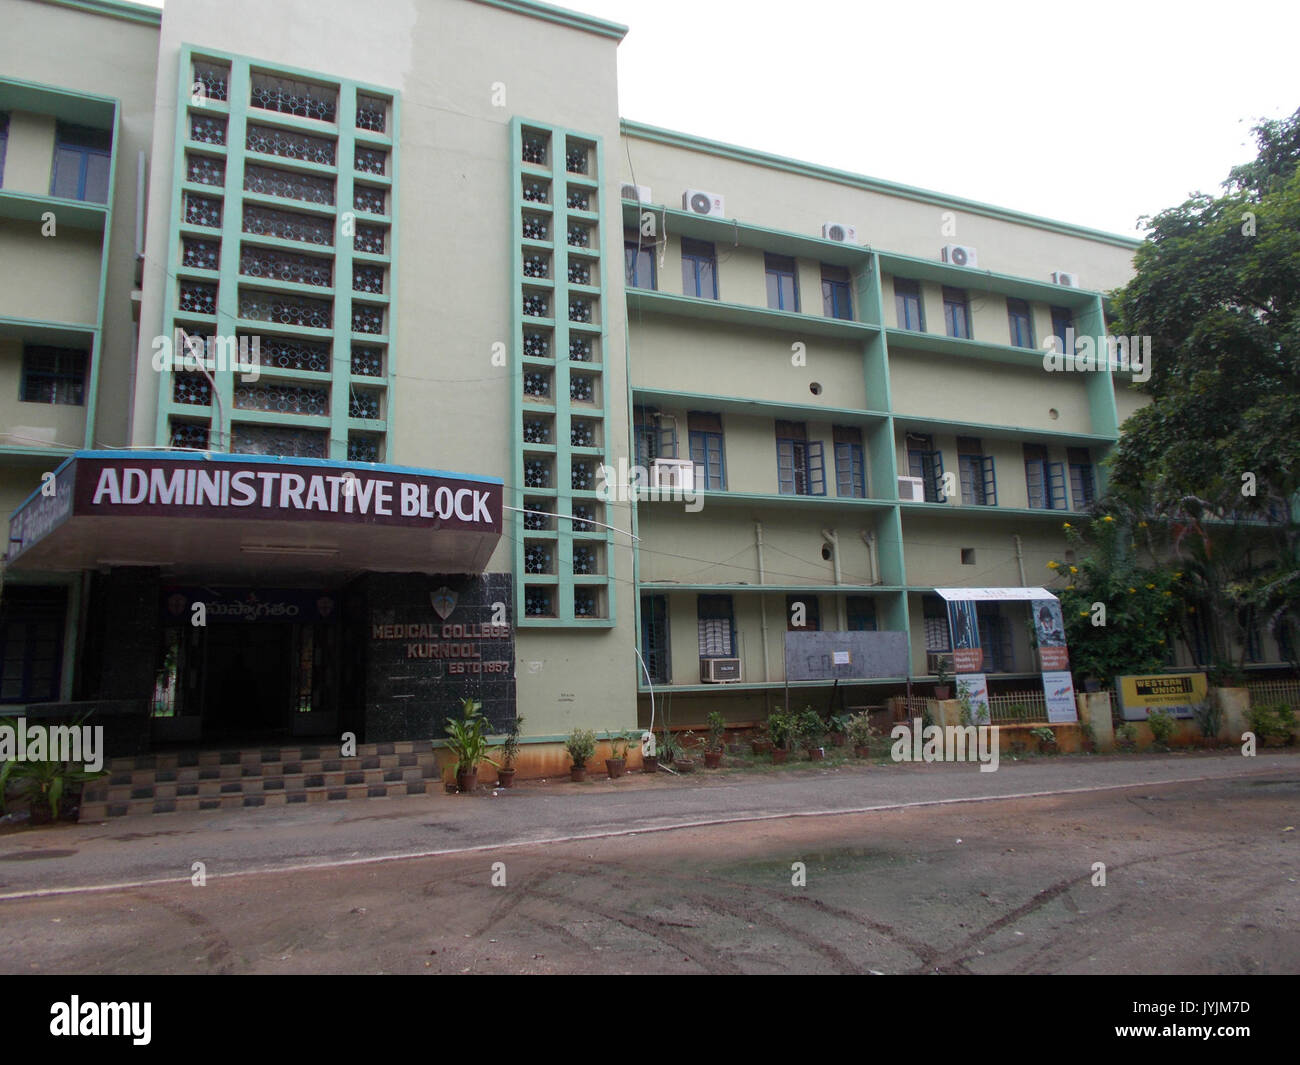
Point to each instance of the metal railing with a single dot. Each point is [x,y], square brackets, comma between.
[1018,708]
[1274,691]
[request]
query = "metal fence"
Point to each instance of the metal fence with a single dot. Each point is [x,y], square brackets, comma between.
[1018,708]
[1274,691]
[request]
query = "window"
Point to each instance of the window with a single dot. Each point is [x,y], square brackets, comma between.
[1062,325]
[54,375]
[800,465]
[4,143]
[782,284]
[809,607]
[979,486]
[1082,484]
[31,644]
[699,269]
[81,163]
[1022,326]
[860,613]
[1045,481]
[705,431]
[935,612]
[837,299]
[655,437]
[638,264]
[850,478]
[925,462]
[654,638]
[995,639]
[717,626]
[1250,627]
[907,301]
[956,313]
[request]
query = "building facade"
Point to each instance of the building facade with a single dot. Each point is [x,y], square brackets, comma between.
[331,348]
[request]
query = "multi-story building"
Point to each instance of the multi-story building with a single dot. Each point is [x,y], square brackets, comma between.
[439,290]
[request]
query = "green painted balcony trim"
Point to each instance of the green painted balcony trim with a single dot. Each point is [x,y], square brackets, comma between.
[904,422]
[771,408]
[918,509]
[732,233]
[561,17]
[974,279]
[689,142]
[74,214]
[779,589]
[648,301]
[16,455]
[775,499]
[901,340]
[145,16]
[52,332]
[83,109]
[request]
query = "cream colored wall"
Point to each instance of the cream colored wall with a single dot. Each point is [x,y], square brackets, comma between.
[988,312]
[49,278]
[113,58]
[769,197]
[989,393]
[32,424]
[29,157]
[933,546]
[693,355]
[1128,400]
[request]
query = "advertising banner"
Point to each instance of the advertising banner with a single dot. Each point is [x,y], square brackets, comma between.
[967,655]
[1175,692]
[1058,690]
[976,687]
[1049,628]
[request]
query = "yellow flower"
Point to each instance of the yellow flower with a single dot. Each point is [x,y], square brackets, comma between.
[1143,525]
[1132,591]
[1169,593]
[1069,587]
[1074,569]
[1066,525]
[1162,641]
[1083,613]
[1150,585]
[1179,573]
[1053,565]
[1107,518]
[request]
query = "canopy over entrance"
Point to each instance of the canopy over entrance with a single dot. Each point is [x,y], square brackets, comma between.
[221,515]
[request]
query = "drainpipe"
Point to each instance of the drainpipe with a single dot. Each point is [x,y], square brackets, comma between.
[1020,560]
[869,538]
[762,597]
[832,538]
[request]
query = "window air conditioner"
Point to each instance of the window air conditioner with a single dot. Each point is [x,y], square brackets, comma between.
[719,670]
[938,660]
[673,473]
[911,489]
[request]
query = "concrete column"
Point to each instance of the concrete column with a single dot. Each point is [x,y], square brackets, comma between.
[1094,710]
[1235,703]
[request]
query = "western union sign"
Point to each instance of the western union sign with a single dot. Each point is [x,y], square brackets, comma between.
[1176,692]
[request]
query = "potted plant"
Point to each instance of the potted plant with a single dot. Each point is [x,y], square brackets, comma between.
[52,789]
[780,727]
[1046,737]
[669,747]
[761,743]
[509,752]
[839,729]
[942,680]
[581,745]
[616,763]
[717,734]
[860,733]
[811,733]
[467,741]
[650,762]
[685,761]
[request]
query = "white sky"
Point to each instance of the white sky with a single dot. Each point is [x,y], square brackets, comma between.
[1093,112]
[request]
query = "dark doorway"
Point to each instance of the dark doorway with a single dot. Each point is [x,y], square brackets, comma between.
[248,683]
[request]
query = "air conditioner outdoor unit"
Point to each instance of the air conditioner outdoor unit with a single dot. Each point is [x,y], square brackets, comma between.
[838,231]
[719,670]
[673,473]
[1060,277]
[960,255]
[937,662]
[640,193]
[699,202]
[911,489]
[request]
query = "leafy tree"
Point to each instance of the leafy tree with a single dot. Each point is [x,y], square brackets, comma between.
[1215,458]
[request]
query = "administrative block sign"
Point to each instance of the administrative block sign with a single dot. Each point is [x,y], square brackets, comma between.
[1058,690]
[1175,692]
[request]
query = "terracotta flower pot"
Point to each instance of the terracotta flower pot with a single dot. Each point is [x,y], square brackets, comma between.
[615,767]
[684,765]
[816,754]
[862,752]
[838,739]
[506,778]
[760,747]
[578,774]
[467,779]
[649,763]
[779,755]
[712,759]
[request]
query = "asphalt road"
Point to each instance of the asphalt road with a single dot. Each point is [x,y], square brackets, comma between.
[905,869]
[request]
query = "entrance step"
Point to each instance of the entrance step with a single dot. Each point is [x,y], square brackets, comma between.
[179,781]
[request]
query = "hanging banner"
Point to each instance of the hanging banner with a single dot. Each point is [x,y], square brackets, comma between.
[1049,628]
[967,655]
[1058,690]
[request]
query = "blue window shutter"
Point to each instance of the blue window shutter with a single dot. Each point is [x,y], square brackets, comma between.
[1056,486]
[990,481]
[816,468]
[932,465]
[785,467]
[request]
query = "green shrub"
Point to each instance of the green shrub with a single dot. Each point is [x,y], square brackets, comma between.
[1272,721]
[581,745]
[1208,717]
[1161,723]
[860,731]
[1126,735]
